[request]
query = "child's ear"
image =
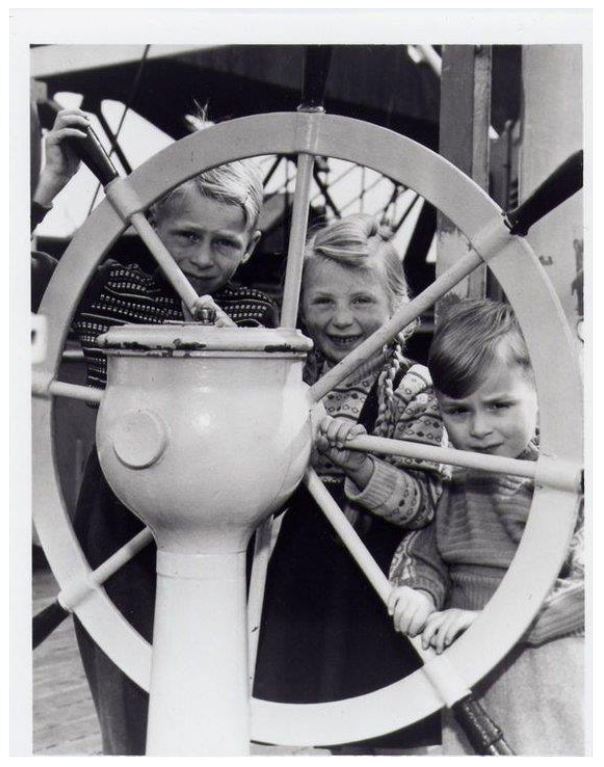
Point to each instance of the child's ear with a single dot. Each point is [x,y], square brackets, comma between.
[251,246]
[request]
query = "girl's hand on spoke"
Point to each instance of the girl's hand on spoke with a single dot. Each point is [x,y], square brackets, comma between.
[332,436]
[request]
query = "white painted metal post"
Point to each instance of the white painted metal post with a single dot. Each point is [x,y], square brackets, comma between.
[552,80]
[199,663]
[465,113]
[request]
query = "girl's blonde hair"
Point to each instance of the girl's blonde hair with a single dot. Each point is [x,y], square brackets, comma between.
[359,242]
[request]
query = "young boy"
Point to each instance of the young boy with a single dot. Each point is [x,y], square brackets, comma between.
[209,225]
[445,573]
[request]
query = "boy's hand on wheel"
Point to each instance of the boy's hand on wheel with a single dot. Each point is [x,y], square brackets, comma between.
[222,319]
[410,609]
[445,626]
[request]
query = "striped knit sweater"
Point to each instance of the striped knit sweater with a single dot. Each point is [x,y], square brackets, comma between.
[126,294]
[461,558]
[402,491]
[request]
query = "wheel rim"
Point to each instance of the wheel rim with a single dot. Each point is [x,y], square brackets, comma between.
[521,276]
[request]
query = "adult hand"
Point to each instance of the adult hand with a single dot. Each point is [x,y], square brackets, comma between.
[410,609]
[61,162]
[445,626]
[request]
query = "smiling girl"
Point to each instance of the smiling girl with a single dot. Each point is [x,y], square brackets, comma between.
[324,634]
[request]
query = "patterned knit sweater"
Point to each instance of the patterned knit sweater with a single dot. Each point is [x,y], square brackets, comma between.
[402,491]
[461,558]
[126,294]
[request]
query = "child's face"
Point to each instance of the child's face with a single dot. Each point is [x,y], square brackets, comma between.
[208,239]
[342,306]
[499,418]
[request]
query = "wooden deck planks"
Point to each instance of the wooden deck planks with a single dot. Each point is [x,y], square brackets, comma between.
[64,719]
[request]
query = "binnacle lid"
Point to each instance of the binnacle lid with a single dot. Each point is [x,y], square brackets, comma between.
[192,337]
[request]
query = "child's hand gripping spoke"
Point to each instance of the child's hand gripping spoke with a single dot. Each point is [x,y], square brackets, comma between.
[222,319]
[332,435]
[410,609]
[445,626]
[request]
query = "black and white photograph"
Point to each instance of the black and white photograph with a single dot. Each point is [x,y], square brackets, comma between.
[299,458]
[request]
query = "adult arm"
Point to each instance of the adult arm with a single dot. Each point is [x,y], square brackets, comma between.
[62,162]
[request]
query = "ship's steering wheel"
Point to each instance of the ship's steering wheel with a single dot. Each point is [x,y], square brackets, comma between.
[516,268]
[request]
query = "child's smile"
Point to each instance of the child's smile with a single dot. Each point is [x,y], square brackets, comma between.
[345,341]
[343,306]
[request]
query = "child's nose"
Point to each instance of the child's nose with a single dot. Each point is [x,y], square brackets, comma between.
[203,255]
[342,317]
[480,425]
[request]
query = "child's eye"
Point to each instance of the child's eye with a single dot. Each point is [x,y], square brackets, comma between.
[363,300]
[224,244]
[321,301]
[188,237]
[500,405]
[456,411]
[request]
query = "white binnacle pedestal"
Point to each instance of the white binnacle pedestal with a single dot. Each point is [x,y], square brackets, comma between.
[202,433]
[199,689]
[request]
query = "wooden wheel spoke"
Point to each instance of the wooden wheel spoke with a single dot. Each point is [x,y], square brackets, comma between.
[74,592]
[297,241]
[446,455]
[123,197]
[77,590]
[567,477]
[347,534]
[355,546]
[172,272]
[64,389]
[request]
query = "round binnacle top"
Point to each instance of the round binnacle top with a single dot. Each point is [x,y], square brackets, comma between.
[192,337]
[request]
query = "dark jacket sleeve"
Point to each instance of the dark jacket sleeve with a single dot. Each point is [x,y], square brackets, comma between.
[37,214]
[42,264]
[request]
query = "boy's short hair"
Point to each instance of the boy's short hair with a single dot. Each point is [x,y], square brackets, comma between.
[235,183]
[471,336]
